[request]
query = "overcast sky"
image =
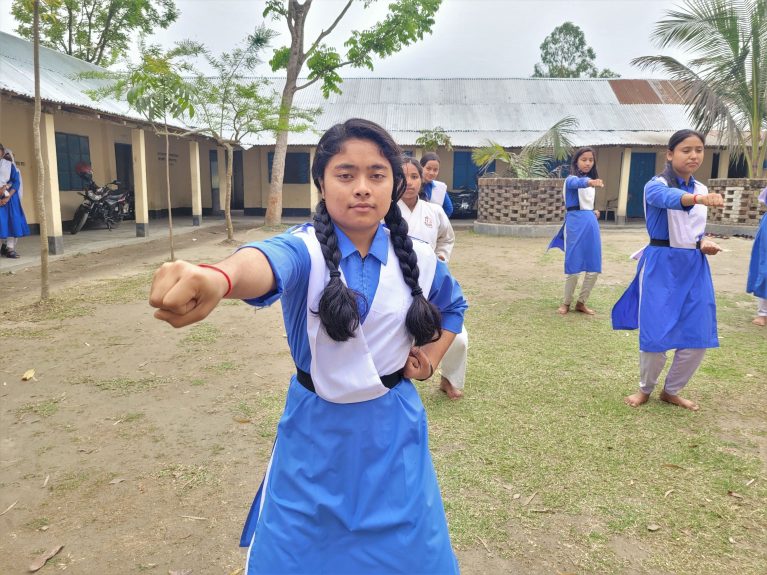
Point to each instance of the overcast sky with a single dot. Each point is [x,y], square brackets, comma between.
[471,38]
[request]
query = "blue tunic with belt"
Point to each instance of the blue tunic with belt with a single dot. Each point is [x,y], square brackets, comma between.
[13,223]
[350,487]
[671,299]
[579,235]
[757,269]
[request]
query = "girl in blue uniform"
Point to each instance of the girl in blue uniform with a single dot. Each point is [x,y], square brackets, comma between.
[579,236]
[671,299]
[757,269]
[350,487]
[435,192]
[13,222]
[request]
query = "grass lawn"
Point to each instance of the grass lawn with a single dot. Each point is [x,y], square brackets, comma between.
[543,456]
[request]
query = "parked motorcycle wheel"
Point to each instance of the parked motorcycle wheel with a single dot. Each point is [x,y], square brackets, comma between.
[81,216]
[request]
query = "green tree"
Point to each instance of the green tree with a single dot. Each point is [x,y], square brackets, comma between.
[430,140]
[97,31]
[231,105]
[156,87]
[406,22]
[565,54]
[532,160]
[725,83]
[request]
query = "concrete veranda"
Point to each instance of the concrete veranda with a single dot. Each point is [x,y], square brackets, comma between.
[99,238]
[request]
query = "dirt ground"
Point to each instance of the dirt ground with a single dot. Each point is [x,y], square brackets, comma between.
[133,445]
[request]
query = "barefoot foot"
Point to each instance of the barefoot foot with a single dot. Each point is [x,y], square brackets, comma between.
[680,401]
[563,309]
[760,321]
[449,389]
[636,399]
[581,307]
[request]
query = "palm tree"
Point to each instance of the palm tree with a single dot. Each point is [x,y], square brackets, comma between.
[725,83]
[532,160]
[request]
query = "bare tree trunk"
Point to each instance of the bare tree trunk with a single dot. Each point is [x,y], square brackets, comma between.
[274,202]
[167,183]
[296,59]
[40,187]
[228,192]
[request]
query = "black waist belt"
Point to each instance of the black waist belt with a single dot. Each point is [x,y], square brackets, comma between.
[389,381]
[574,209]
[667,244]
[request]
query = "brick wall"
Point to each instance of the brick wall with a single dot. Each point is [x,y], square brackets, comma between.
[740,201]
[515,201]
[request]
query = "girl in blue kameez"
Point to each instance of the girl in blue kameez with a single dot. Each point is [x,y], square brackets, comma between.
[13,222]
[757,268]
[350,486]
[671,299]
[579,235]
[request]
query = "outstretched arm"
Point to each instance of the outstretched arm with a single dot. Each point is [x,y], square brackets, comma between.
[184,293]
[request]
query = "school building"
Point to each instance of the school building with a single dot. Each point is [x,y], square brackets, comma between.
[628,121]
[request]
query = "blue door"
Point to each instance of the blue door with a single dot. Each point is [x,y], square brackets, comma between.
[466,172]
[642,169]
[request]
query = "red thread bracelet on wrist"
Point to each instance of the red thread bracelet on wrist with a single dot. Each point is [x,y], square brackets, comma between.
[222,272]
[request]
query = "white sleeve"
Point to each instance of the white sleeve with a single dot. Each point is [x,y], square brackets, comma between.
[445,235]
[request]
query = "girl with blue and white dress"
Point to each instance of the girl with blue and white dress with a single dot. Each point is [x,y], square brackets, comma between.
[350,486]
[579,236]
[13,222]
[671,299]
[434,190]
[757,269]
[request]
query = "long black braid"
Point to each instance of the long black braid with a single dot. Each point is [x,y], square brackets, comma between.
[423,320]
[338,307]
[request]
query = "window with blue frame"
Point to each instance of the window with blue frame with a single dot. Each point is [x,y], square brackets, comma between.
[296,168]
[466,172]
[70,150]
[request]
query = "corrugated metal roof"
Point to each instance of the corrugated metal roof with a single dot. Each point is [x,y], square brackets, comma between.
[510,111]
[59,82]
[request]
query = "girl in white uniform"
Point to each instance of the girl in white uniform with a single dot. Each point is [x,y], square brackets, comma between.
[350,486]
[427,222]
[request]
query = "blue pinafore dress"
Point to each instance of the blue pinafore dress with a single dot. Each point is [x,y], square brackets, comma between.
[671,299]
[757,268]
[579,235]
[350,487]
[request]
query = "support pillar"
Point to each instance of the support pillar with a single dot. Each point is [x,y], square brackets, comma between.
[138,141]
[194,163]
[623,189]
[51,185]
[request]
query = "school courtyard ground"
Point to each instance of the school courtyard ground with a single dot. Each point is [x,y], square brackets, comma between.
[139,448]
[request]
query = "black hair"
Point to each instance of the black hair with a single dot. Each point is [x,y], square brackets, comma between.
[677,138]
[592,174]
[413,162]
[338,310]
[428,157]
[2,147]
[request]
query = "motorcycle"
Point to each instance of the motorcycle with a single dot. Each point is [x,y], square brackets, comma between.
[107,204]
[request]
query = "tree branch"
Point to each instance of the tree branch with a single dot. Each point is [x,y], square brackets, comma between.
[310,82]
[325,33]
